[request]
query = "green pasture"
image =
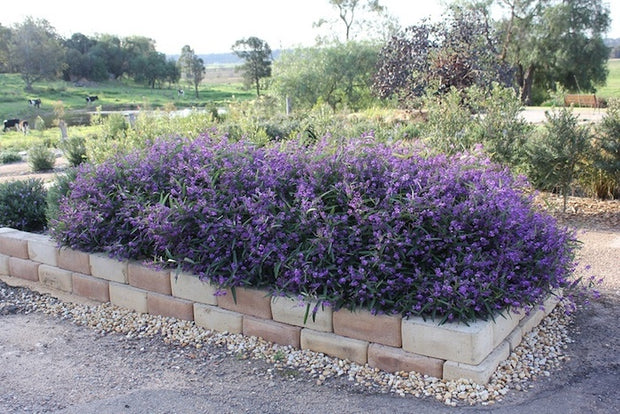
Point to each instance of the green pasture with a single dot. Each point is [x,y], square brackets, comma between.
[612,88]
[113,96]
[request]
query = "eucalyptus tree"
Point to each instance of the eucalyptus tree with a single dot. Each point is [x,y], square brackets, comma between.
[366,17]
[192,67]
[36,51]
[339,75]
[551,42]
[5,40]
[257,56]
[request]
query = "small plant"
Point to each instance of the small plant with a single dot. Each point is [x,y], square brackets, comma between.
[7,157]
[22,205]
[41,158]
[278,356]
[74,149]
[39,124]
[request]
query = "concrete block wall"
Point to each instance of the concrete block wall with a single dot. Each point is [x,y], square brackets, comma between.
[390,343]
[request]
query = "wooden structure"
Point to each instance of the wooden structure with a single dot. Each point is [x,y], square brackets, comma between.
[581,100]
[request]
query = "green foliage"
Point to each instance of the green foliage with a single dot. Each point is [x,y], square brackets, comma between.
[192,67]
[607,148]
[74,149]
[555,42]
[41,158]
[57,190]
[36,51]
[459,120]
[558,152]
[7,157]
[22,205]
[115,127]
[118,135]
[449,123]
[339,76]
[257,56]
[500,126]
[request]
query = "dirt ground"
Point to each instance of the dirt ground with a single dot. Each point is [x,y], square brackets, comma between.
[50,365]
[22,171]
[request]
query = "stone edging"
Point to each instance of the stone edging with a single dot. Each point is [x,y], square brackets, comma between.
[390,343]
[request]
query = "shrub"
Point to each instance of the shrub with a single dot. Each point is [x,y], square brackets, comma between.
[22,205]
[460,120]
[74,149]
[607,148]
[59,189]
[41,158]
[358,225]
[556,155]
[7,157]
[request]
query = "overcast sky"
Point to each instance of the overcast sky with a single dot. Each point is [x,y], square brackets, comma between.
[211,26]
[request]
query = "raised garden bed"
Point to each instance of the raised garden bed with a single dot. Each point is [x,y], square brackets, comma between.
[388,342]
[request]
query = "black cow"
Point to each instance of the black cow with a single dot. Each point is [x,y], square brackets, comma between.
[91,98]
[35,102]
[10,123]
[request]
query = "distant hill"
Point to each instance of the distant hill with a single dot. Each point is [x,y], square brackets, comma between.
[614,45]
[223,58]
[611,42]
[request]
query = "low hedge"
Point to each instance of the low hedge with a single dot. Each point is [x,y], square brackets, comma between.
[356,225]
[23,204]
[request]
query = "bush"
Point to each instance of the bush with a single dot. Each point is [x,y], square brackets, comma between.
[59,189]
[74,149]
[607,148]
[359,226]
[557,154]
[22,205]
[7,157]
[41,158]
[460,120]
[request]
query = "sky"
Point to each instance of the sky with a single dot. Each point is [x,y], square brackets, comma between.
[213,26]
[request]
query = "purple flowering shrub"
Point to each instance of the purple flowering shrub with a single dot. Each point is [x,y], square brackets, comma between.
[361,225]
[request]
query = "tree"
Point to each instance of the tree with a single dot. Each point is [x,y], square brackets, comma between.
[355,14]
[257,56]
[555,41]
[152,68]
[339,75]
[81,62]
[459,52]
[5,40]
[110,49]
[192,67]
[37,51]
[607,145]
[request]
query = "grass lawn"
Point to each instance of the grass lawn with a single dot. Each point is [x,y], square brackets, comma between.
[612,88]
[113,95]
[220,88]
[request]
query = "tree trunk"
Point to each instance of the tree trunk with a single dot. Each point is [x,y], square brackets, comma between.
[526,86]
